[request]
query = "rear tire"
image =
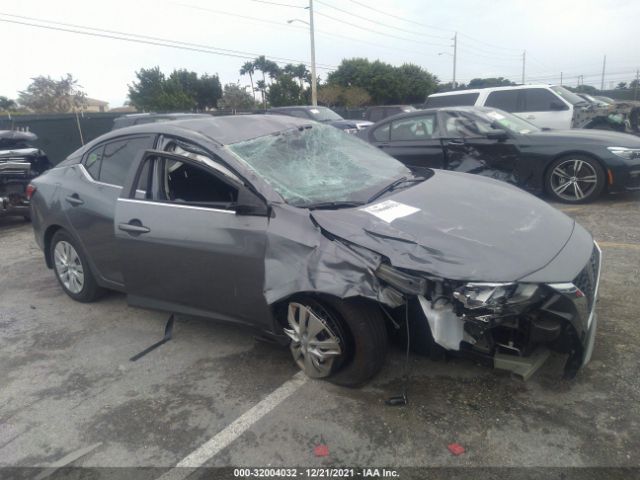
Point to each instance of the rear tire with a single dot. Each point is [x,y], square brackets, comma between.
[361,334]
[575,179]
[72,269]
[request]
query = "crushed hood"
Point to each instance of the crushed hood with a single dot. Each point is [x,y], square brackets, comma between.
[457,226]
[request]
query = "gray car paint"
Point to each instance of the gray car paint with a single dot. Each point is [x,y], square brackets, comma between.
[233,266]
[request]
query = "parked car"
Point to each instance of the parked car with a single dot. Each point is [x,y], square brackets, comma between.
[573,166]
[20,162]
[546,106]
[319,240]
[380,112]
[323,115]
[141,118]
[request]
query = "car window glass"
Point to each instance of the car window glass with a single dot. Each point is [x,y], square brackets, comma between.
[376,114]
[457,100]
[196,153]
[143,187]
[381,134]
[188,184]
[506,100]
[118,157]
[460,125]
[93,161]
[539,100]
[413,128]
[296,113]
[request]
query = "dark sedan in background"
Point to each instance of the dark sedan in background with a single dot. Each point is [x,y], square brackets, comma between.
[322,115]
[321,241]
[573,166]
[20,162]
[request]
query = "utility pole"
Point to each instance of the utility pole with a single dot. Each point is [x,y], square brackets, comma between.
[604,64]
[560,78]
[455,58]
[314,86]
[524,61]
[635,91]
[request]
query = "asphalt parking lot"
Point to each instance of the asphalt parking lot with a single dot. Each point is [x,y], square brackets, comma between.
[68,389]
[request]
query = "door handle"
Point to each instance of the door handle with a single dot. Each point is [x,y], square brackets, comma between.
[134,227]
[531,117]
[456,143]
[74,199]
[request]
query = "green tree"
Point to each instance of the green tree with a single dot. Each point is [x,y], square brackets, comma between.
[249,69]
[7,105]
[490,82]
[46,95]
[385,83]
[621,86]
[267,68]
[235,98]
[285,91]
[182,90]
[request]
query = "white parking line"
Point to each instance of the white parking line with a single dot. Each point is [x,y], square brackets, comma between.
[198,457]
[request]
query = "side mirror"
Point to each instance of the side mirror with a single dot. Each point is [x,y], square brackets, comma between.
[558,106]
[249,204]
[497,134]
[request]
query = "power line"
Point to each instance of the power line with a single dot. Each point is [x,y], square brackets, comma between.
[364,5]
[156,41]
[375,22]
[377,32]
[325,33]
[278,4]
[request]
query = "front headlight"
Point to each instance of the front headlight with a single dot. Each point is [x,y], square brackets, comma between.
[626,153]
[496,296]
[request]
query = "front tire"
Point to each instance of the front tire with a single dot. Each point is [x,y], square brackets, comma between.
[343,341]
[575,179]
[72,269]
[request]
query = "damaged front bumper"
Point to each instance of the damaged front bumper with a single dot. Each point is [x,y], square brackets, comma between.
[559,317]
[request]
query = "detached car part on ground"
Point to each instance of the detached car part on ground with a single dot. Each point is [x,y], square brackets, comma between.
[573,166]
[319,241]
[19,164]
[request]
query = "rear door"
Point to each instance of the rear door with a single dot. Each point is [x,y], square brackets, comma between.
[183,247]
[89,199]
[414,140]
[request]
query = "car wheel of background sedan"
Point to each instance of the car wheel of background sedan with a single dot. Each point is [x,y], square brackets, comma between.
[575,179]
[72,270]
[344,341]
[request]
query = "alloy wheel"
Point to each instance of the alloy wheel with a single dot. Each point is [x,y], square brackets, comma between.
[574,180]
[314,344]
[69,266]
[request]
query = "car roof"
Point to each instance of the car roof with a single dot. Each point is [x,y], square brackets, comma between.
[417,113]
[223,130]
[299,107]
[478,90]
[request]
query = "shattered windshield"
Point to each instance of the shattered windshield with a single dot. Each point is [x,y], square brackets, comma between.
[319,164]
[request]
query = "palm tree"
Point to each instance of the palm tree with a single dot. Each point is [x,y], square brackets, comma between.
[248,69]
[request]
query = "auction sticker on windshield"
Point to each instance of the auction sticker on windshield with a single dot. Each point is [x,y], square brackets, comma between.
[389,210]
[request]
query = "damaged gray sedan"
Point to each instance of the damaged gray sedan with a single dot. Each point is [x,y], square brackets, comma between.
[321,242]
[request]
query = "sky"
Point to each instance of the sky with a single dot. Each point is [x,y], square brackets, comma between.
[568,36]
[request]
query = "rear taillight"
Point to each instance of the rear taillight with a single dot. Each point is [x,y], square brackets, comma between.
[31,189]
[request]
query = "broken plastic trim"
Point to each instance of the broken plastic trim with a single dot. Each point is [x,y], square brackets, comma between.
[402,281]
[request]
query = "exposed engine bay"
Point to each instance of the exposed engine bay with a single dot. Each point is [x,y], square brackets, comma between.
[511,326]
[19,164]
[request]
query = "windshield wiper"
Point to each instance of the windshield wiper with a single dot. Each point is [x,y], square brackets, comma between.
[329,205]
[393,185]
